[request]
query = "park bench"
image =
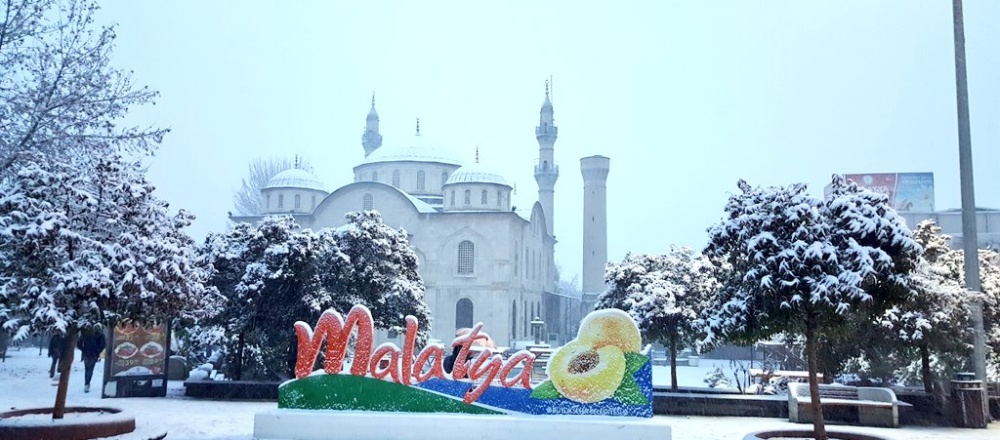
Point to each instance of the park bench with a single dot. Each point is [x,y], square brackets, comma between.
[876,406]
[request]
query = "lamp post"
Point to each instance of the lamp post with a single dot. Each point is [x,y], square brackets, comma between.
[536,329]
[970,239]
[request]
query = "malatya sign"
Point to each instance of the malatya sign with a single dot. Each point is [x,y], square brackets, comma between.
[602,372]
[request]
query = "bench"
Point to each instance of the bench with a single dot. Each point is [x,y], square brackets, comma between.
[876,406]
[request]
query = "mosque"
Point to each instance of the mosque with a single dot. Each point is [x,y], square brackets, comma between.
[480,258]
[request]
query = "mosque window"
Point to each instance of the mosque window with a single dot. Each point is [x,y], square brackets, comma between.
[524,306]
[483,198]
[281,201]
[499,199]
[466,257]
[452,197]
[513,319]
[517,262]
[312,205]
[369,202]
[267,203]
[463,313]
[468,197]
[395,178]
[420,180]
[298,201]
[375,176]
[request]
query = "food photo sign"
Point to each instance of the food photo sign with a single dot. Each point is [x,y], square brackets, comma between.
[601,372]
[137,361]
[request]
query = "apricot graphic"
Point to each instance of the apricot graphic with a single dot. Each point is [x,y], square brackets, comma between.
[605,327]
[586,374]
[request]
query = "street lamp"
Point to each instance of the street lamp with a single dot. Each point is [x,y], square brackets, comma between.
[536,329]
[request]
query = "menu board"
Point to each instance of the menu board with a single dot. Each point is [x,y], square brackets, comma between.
[138,350]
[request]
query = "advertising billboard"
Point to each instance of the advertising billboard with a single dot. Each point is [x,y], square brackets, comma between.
[908,192]
[137,361]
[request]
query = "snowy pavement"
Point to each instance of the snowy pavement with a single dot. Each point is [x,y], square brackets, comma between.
[24,383]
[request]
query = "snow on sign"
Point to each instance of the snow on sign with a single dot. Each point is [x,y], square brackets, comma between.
[601,372]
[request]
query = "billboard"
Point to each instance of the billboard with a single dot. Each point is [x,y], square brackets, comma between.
[908,192]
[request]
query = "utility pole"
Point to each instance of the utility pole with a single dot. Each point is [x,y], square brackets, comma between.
[970,238]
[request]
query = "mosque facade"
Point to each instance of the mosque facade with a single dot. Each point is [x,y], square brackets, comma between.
[481,259]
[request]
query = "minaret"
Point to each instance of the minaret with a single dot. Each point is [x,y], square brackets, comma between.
[546,171]
[371,140]
[595,226]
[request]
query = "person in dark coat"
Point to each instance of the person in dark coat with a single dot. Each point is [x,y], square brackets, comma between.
[57,345]
[91,344]
[449,361]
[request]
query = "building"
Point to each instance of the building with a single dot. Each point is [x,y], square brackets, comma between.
[480,258]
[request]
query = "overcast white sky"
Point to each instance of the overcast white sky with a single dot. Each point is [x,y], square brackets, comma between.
[685,97]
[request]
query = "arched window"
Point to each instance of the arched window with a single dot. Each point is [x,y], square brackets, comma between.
[499,199]
[374,176]
[368,202]
[452,197]
[298,202]
[468,197]
[517,260]
[534,313]
[281,201]
[463,313]
[444,179]
[466,257]
[420,180]
[524,324]
[268,203]
[513,319]
[483,198]
[312,206]
[395,178]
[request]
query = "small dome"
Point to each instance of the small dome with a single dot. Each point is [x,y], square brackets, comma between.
[295,178]
[476,173]
[416,152]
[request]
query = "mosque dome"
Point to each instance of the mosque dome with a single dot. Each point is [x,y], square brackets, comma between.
[417,151]
[476,173]
[295,178]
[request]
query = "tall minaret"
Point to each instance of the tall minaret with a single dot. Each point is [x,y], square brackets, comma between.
[546,171]
[371,140]
[595,226]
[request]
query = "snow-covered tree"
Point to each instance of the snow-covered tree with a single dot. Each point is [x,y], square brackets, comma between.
[665,294]
[935,320]
[269,274]
[381,274]
[83,252]
[246,200]
[59,93]
[805,263]
[275,274]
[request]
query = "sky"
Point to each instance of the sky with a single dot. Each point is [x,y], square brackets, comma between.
[686,98]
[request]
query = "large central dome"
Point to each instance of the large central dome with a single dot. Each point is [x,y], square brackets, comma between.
[417,151]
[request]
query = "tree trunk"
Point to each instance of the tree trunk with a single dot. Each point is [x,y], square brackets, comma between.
[239,358]
[65,365]
[811,352]
[673,362]
[925,368]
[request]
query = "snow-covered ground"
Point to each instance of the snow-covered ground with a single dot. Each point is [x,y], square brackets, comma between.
[25,383]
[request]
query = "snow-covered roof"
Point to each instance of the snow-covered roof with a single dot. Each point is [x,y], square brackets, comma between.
[295,178]
[476,173]
[417,151]
[422,206]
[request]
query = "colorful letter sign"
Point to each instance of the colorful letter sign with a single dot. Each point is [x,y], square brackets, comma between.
[601,372]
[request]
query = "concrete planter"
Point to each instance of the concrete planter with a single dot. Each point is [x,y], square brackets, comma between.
[104,422]
[808,434]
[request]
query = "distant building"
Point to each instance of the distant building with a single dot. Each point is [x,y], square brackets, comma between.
[481,258]
[912,195]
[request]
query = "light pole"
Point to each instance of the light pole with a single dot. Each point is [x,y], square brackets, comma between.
[536,329]
[970,239]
